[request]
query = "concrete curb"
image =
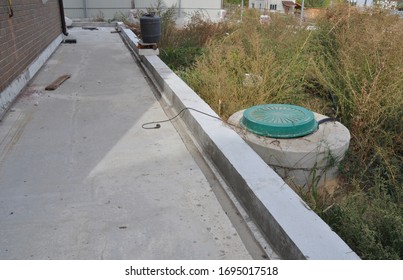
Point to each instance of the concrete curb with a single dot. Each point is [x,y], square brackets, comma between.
[289,225]
[11,92]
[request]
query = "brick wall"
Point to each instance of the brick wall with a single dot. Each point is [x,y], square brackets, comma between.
[35,24]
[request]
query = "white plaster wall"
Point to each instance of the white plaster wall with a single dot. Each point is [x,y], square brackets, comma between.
[75,8]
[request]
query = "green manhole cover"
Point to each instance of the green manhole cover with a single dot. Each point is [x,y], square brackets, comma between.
[279,120]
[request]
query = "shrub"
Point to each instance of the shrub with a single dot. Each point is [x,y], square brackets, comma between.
[371,223]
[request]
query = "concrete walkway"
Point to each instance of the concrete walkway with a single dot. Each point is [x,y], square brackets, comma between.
[80,178]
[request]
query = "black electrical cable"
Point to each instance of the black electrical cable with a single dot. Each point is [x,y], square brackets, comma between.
[158,123]
[327,120]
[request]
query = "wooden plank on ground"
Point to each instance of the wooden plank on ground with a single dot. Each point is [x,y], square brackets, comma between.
[56,83]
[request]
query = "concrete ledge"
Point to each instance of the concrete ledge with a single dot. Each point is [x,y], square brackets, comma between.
[10,93]
[293,229]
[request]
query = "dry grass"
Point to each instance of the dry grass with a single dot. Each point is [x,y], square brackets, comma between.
[350,67]
[274,55]
[359,61]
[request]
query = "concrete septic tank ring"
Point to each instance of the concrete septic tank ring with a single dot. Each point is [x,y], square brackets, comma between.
[279,120]
[303,161]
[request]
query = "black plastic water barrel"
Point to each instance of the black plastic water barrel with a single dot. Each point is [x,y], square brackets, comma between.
[150,26]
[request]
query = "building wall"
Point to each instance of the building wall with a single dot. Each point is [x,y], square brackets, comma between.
[363,3]
[25,35]
[267,5]
[257,4]
[185,4]
[185,8]
[109,9]
[210,7]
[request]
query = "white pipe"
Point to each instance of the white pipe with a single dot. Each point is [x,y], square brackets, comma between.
[241,10]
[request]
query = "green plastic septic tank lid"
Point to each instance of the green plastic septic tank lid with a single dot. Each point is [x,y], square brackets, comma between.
[279,120]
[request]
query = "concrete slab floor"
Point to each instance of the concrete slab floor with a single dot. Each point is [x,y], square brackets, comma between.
[80,178]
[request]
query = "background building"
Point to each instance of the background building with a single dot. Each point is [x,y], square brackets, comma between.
[110,9]
[270,5]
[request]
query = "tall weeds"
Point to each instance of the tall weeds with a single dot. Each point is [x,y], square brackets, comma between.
[349,67]
[181,46]
[274,56]
[358,58]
